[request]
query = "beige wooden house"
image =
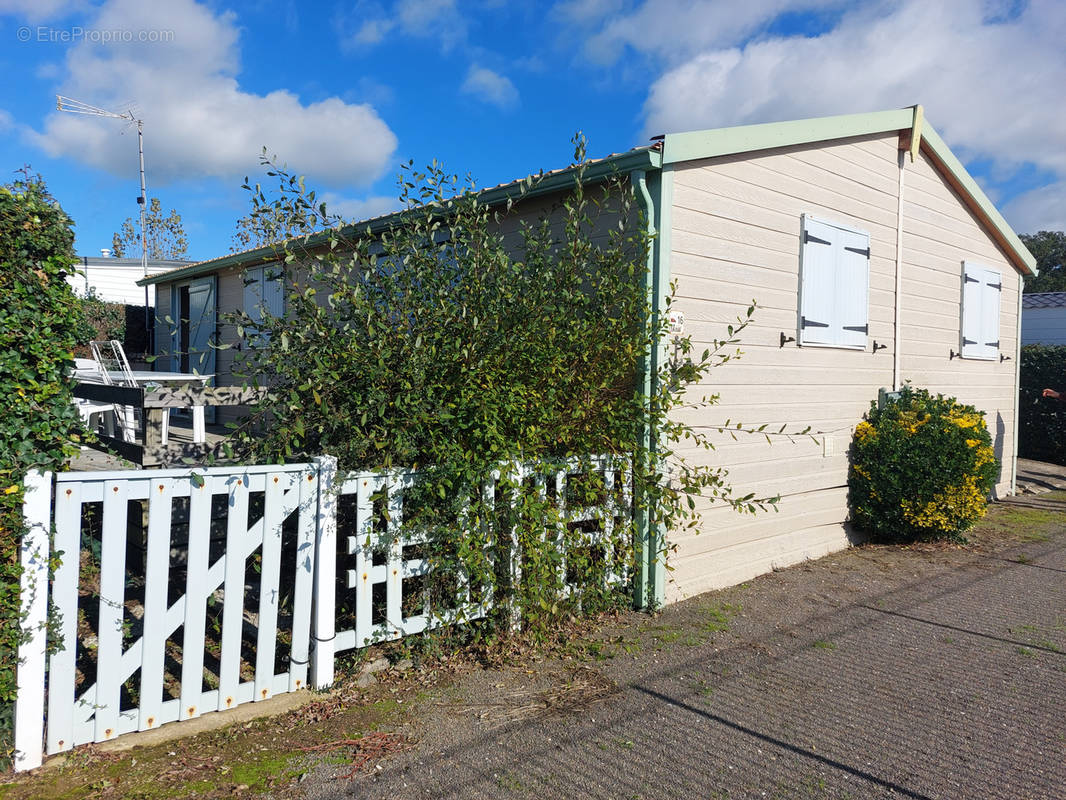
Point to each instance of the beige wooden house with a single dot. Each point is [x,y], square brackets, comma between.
[874,259]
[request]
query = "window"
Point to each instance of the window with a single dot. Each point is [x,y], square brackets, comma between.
[981,291]
[834,285]
[264,290]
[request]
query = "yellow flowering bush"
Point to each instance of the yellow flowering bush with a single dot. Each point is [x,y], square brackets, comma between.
[922,467]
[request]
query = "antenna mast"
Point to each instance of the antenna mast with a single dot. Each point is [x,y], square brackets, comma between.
[78,107]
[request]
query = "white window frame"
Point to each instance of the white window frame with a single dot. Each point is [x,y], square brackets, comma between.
[847,248]
[980,305]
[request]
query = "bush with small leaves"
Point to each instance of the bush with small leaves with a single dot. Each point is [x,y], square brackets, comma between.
[922,467]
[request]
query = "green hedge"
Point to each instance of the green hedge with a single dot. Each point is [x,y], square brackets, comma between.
[40,320]
[1042,421]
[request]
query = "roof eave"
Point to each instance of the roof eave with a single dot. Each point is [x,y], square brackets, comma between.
[977,200]
[748,138]
[697,145]
[534,186]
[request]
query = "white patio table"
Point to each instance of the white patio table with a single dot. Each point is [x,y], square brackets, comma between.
[146,378]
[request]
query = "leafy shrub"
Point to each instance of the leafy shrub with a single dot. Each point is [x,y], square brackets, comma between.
[1042,421]
[102,320]
[922,467]
[39,323]
[446,345]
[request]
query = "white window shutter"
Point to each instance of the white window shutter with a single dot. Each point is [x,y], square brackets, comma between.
[853,288]
[818,285]
[991,294]
[981,294]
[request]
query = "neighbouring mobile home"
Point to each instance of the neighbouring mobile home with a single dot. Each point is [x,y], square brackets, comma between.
[874,259]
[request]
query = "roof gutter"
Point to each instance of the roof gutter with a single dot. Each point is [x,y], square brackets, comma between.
[533,186]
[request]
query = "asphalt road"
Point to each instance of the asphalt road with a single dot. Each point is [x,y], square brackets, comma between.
[874,673]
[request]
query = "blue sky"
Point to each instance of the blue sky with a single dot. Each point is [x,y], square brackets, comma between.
[346,92]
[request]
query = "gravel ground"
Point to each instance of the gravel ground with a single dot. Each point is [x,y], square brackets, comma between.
[922,672]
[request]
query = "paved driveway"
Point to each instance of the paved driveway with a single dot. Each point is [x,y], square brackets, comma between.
[880,672]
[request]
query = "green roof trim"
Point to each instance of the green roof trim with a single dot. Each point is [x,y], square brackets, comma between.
[698,145]
[748,138]
[690,146]
[965,183]
[595,172]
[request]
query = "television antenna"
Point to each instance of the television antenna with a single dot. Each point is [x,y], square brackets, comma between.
[78,107]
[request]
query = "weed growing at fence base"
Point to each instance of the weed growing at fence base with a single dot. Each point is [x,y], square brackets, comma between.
[463,340]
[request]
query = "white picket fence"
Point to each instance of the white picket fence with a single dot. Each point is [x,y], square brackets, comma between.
[182,592]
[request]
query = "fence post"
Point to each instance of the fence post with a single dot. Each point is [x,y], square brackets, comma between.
[515,546]
[324,619]
[29,704]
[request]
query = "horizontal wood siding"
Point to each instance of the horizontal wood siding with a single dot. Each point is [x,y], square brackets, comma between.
[115,284]
[734,239]
[939,233]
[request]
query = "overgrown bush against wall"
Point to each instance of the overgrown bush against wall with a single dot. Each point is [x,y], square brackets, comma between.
[922,467]
[102,320]
[39,324]
[1041,420]
[447,346]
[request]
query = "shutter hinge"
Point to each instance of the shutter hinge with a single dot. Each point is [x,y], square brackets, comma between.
[994,344]
[810,323]
[863,252]
[969,279]
[966,341]
[857,328]
[997,286]
[808,238]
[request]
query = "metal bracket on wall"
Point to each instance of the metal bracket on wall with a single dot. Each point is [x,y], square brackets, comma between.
[786,339]
[1003,358]
[954,355]
[879,346]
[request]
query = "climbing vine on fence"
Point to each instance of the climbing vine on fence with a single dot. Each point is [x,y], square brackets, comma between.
[465,337]
[39,321]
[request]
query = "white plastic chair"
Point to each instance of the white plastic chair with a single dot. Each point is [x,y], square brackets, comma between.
[87,370]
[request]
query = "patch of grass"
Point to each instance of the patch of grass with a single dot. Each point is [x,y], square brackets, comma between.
[821,644]
[719,617]
[1017,522]
[705,689]
[1024,651]
[508,781]
[625,744]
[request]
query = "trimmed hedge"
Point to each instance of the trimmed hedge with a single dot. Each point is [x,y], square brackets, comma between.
[922,467]
[1042,421]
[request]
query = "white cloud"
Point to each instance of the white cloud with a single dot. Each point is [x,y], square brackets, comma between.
[197,119]
[993,90]
[1042,209]
[427,19]
[490,87]
[673,30]
[6,121]
[355,210]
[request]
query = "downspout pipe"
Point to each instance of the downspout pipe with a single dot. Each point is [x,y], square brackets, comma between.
[897,344]
[649,546]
